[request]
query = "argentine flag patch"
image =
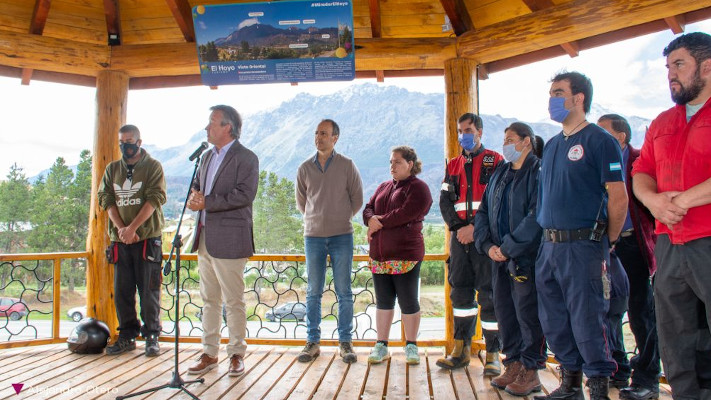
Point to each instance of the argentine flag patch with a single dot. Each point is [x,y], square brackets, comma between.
[615,166]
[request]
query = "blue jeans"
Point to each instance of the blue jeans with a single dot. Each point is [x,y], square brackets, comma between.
[340,248]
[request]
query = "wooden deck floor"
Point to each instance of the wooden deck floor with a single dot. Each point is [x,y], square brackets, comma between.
[271,373]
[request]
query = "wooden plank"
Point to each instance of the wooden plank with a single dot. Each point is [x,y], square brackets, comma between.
[288,378]
[376,380]
[34,360]
[561,24]
[355,377]
[212,377]
[417,378]
[318,375]
[397,384]
[482,385]
[77,377]
[36,377]
[332,380]
[375,21]
[254,384]
[441,378]
[218,382]
[156,374]
[676,23]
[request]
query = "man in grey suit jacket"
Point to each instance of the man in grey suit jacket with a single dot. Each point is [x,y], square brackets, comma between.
[222,194]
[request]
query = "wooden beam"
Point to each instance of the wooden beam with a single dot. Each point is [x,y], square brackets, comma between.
[538,5]
[39,19]
[572,48]
[113,22]
[23,50]
[39,16]
[376,24]
[676,23]
[156,60]
[397,54]
[380,76]
[111,104]
[458,15]
[569,21]
[184,17]
[26,76]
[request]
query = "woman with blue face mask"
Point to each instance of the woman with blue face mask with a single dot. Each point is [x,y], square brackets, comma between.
[506,230]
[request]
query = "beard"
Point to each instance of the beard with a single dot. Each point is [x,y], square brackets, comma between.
[686,94]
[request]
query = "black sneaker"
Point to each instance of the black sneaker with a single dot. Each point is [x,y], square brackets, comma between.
[122,345]
[152,347]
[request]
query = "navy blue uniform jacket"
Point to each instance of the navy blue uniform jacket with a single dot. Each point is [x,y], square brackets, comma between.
[521,244]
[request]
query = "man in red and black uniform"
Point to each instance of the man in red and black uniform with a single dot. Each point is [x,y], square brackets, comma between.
[464,183]
[672,178]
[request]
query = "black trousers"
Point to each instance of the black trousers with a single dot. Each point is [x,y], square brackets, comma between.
[131,272]
[516,305]
[640,313]
[469,274]
[681,286]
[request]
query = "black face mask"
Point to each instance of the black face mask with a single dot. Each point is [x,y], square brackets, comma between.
[129,150]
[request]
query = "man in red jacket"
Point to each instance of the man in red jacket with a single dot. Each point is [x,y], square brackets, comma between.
[635,249]
[672,178]
[468,271]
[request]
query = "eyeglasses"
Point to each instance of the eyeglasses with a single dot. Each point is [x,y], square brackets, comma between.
[129,173]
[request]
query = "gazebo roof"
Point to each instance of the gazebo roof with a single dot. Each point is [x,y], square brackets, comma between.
[153,41]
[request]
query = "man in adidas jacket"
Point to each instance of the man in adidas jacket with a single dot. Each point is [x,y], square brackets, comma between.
[132,191]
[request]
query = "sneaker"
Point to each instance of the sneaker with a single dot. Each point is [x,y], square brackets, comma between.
[347,353]
[310,352]
[122,345]
[412,356]
[378,354]
[152,347]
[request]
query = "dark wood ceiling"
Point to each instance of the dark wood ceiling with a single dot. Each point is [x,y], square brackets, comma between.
[153,40]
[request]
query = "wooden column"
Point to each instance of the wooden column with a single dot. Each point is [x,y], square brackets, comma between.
[460,86]
[111,100]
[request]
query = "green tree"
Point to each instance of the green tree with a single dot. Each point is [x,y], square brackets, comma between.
[14,212]
[277,224]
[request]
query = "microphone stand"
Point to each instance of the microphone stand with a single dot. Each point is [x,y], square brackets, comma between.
[176,382]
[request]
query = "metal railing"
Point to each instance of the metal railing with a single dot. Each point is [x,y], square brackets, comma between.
[275,293]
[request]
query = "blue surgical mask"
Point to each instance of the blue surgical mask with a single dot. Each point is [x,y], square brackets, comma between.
[467,141]
[556,108]
[510,153]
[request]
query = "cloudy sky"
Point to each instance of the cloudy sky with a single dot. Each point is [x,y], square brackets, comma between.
[43,121]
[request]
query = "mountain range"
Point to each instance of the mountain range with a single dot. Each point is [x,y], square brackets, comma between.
[372,119]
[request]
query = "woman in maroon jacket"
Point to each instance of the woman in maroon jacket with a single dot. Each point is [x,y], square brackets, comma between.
[394,217]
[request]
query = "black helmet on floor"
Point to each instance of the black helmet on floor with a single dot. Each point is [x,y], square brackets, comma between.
[89,337]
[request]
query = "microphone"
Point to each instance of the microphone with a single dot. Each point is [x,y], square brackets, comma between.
[198,151]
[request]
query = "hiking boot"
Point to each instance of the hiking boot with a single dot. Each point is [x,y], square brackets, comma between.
[510,374]
[493,365]
[526,382]
[152,347]
[412,355]
[378,354]
[347,353]
[598,387]
[639,392]
[571,387]
[459,357]
[618,383]
[122,345]
[310,352]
